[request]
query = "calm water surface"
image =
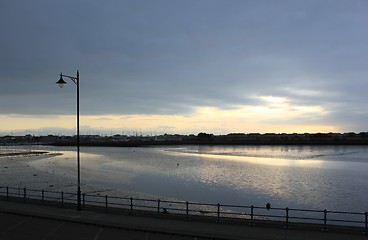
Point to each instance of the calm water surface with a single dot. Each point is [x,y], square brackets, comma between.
[332,177]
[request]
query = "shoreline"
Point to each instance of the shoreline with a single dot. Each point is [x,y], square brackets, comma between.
[28,154]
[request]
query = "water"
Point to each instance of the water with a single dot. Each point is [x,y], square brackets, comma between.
[312,177]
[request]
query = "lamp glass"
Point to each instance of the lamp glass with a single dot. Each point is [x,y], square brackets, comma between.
[61,82]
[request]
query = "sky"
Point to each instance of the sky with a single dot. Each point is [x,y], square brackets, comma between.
[184,66]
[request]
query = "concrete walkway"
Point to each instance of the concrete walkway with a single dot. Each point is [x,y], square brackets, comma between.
[29,221]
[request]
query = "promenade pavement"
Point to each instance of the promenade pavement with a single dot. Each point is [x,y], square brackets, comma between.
[19,220]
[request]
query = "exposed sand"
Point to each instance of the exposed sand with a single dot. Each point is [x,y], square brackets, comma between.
[16,170]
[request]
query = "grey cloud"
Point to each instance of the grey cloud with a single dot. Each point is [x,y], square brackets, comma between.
[168,57]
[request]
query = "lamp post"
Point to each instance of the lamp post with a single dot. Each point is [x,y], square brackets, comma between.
[61,83]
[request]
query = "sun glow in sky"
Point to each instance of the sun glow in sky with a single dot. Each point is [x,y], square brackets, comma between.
[275,111]
[184,66]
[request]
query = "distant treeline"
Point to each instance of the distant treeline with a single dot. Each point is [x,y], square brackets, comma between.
[285,139]
[200,139]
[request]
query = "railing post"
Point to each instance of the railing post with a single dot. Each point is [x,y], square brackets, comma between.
[158,207]
[106,202]
[24,194]
[187,209]
[251,214]
[84,199]
[324,220]
[218,212]
[7,193]
[287,217]
[43,195]
[62,198]
[131,205]
[366,223]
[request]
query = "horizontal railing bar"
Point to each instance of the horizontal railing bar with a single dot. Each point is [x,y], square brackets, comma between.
[113,197]
[145,200]
[305,210]
[270,216]
[343,212]
[307,218]
[204,204]
[235,206]
[174,202]
[347,221]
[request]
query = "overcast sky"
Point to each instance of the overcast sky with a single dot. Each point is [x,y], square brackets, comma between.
[185,66]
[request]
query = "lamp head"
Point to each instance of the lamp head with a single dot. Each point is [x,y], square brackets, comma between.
[61,81]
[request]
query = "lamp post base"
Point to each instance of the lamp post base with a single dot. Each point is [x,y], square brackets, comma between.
[79,205]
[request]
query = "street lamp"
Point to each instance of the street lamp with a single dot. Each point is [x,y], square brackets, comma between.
[61,83]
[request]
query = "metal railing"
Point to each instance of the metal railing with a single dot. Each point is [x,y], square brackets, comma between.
[285,217]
